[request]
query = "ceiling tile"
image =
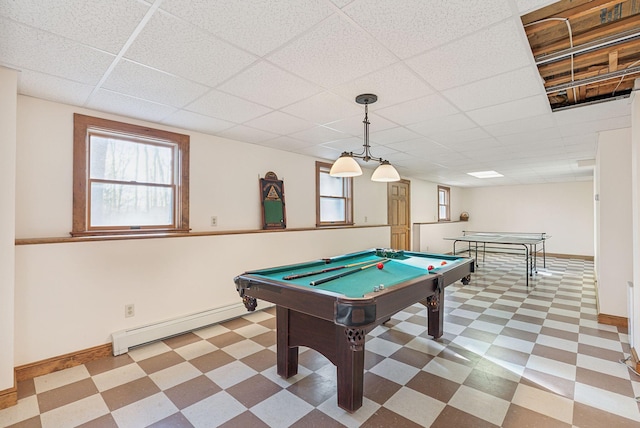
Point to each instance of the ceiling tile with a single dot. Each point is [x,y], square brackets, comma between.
[279,123]
[409,27]
[124,105]
[460,136]
[589,113]
[258,26]
[595,126]
[392,85]
[153,85]
[53,88]
[492,51]
[247,134]
[333,53]
[25,48]
[539,137]
[419,110]
[393,135]
[528,124]
[354,125]
[318,135]
[270,85]
[227,107]
[510,86]
[172,45]
[197,122]
[101,24]
[527,107]
[328,153]
[285,143]
[419,147]
[454,122]
[325,108]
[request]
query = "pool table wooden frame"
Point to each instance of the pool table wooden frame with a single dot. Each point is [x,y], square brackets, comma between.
[336,325]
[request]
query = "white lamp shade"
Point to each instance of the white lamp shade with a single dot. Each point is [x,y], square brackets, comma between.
[345,166]
[385,173]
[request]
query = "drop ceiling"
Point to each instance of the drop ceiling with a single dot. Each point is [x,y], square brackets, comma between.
[459,83]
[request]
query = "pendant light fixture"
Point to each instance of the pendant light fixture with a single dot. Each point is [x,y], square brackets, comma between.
[346,165]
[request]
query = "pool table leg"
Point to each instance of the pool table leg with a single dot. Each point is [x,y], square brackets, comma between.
[435,312]
[287,356]
[350,367]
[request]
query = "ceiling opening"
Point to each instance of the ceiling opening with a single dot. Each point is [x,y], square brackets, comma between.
[586,51]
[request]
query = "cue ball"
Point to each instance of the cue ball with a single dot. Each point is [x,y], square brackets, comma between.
[443,263]
[430,267]
[380,265]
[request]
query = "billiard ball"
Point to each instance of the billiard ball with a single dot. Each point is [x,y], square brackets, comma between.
[430,267]
[380,265]
[443,263]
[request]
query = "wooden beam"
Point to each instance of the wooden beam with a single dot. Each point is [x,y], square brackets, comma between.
[581,23]
[621,26]
[613,60]
[552,10]
[625,51]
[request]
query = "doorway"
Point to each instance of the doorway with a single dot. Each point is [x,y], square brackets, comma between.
[399,214]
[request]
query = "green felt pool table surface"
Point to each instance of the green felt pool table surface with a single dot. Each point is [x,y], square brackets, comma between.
[403,267]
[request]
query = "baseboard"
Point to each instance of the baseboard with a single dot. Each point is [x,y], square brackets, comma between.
[9,397]
[53,364]
[569,256]
[634,358]
[613,320]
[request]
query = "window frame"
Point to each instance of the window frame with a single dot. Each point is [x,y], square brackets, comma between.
[83,126]
[347,187]
[447,204]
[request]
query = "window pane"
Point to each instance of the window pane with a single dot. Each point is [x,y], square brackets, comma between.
[443,212]
[442,197]
[130,205]
[122,160]
[331,186]
[332,209]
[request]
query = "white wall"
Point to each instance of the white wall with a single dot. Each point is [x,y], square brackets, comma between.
[635,192]
[8,88]
[562,210]
[71,296]
[614,219]
[224,177]
[424,201]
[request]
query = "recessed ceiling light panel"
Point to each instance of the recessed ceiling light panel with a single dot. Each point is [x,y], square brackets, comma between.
[485,174]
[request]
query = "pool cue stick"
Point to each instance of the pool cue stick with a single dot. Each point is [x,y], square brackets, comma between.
[318,272]
[341,274]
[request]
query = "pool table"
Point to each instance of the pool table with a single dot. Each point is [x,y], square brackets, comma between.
[331,304]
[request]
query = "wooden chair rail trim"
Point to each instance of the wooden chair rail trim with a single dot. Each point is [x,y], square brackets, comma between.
[120,237]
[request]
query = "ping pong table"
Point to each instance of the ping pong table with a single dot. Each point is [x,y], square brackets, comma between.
[530,244]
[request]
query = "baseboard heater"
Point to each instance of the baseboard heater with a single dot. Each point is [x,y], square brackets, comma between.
[124,339]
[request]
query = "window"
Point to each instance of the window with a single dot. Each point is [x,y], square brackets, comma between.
[443,204]
[334,204]
[128,178]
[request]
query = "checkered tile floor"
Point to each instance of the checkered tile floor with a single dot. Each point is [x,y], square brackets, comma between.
[510,357]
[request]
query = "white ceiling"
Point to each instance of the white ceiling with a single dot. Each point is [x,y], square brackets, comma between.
[458,89]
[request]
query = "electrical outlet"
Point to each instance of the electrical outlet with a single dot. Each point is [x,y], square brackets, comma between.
[365,219]
[214,221]
[129,310]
